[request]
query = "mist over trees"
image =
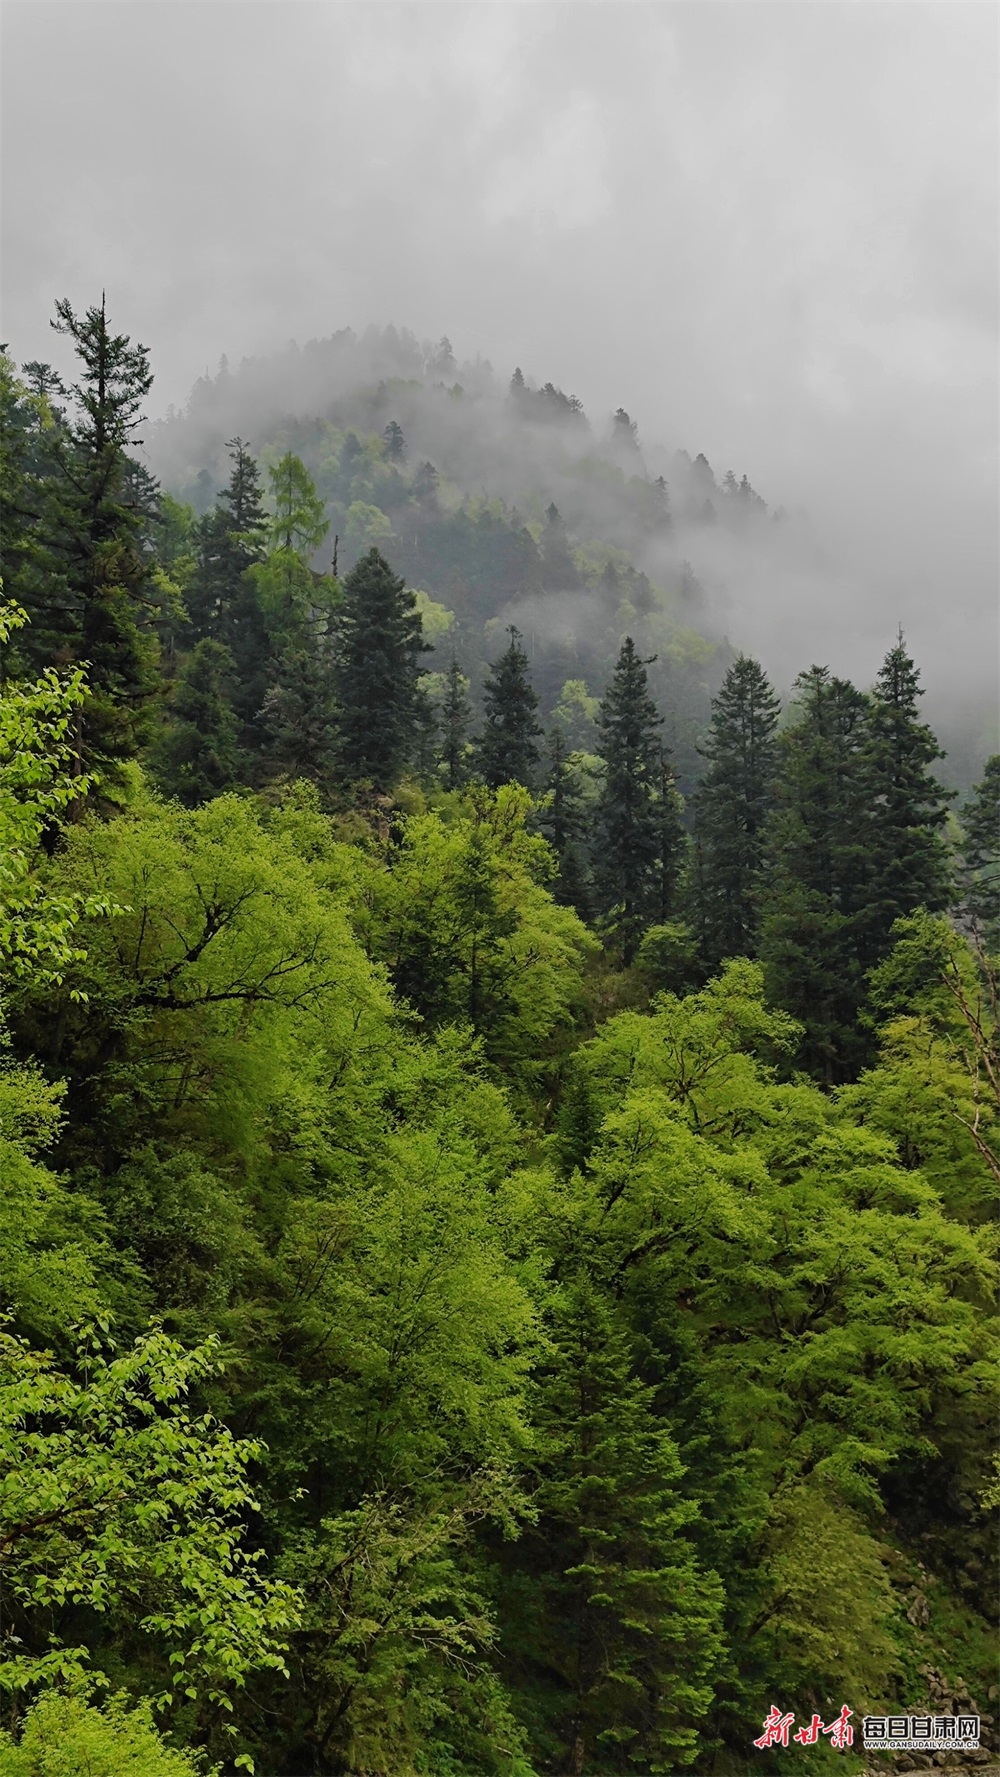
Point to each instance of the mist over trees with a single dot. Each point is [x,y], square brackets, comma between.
[500,1112]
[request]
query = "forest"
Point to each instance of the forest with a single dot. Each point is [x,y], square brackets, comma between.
[499,1109]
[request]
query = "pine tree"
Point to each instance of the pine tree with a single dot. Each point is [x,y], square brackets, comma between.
[299,714]
[909,859]
[223,601]
[455,717]
[197,756]
[395,443]
[565,823]
[627,853]
[507,752]
[671,838]
[818,848]
[377,673]
[732,805]
[980,856]
[605,1618]
[89,587]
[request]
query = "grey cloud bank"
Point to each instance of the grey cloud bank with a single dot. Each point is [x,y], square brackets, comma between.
[769,231]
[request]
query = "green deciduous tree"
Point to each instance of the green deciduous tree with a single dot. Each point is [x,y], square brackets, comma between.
[115,1497]
[299,520]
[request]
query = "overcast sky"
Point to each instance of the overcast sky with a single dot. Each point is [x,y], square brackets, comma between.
[768,230]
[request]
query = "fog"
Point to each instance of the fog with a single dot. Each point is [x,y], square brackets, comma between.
[767,231]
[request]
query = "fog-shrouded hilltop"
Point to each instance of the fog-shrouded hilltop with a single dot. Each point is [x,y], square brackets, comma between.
[508,503]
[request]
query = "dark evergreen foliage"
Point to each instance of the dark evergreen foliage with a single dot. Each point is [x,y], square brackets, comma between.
[819,872]
[507,752]
[85,575]
[379,646]
[980,855]
[197,755]
[909,860]
[731,807]
[627,854]
[453,727]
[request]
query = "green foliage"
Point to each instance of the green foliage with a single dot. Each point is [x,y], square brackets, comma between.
[197,755]
[82,570]
[732,805]
[298,523]
[628,862]
[64,1736]
[505,1381]
[980,855]
[506,749]
[379,645]
[114,1497]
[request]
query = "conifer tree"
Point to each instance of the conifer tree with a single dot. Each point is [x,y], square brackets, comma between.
[197,756]
[732,804]
[395,443]
[89,590]
[627,852]
[908,858]
[980,855]
[819,878]
[507,747]
[223,601]
[671,838]
[455,717]
[299,520]
[377,673]
[299,716]
[564,823]
[606,1618]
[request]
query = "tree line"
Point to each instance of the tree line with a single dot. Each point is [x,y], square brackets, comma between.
[496,1260]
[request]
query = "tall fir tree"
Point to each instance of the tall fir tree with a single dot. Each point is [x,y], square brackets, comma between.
[197,755]
[909,857]
[223,600]
[628,850]
[606,1620]
[87,581]
[565,824]
[819,876]
[731,807]
[453,727]
[671,838]
[979,870]
[377,673]
[507,749]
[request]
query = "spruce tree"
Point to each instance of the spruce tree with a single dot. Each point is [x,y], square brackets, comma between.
[908,858]
[671,838]
[299,718]
[377,673]
[732,805]
[564,823]
[197,756]
[507,750]
[979,872]
[628,849]
[222,602]
[818,850]
[89,591]
[454,720]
